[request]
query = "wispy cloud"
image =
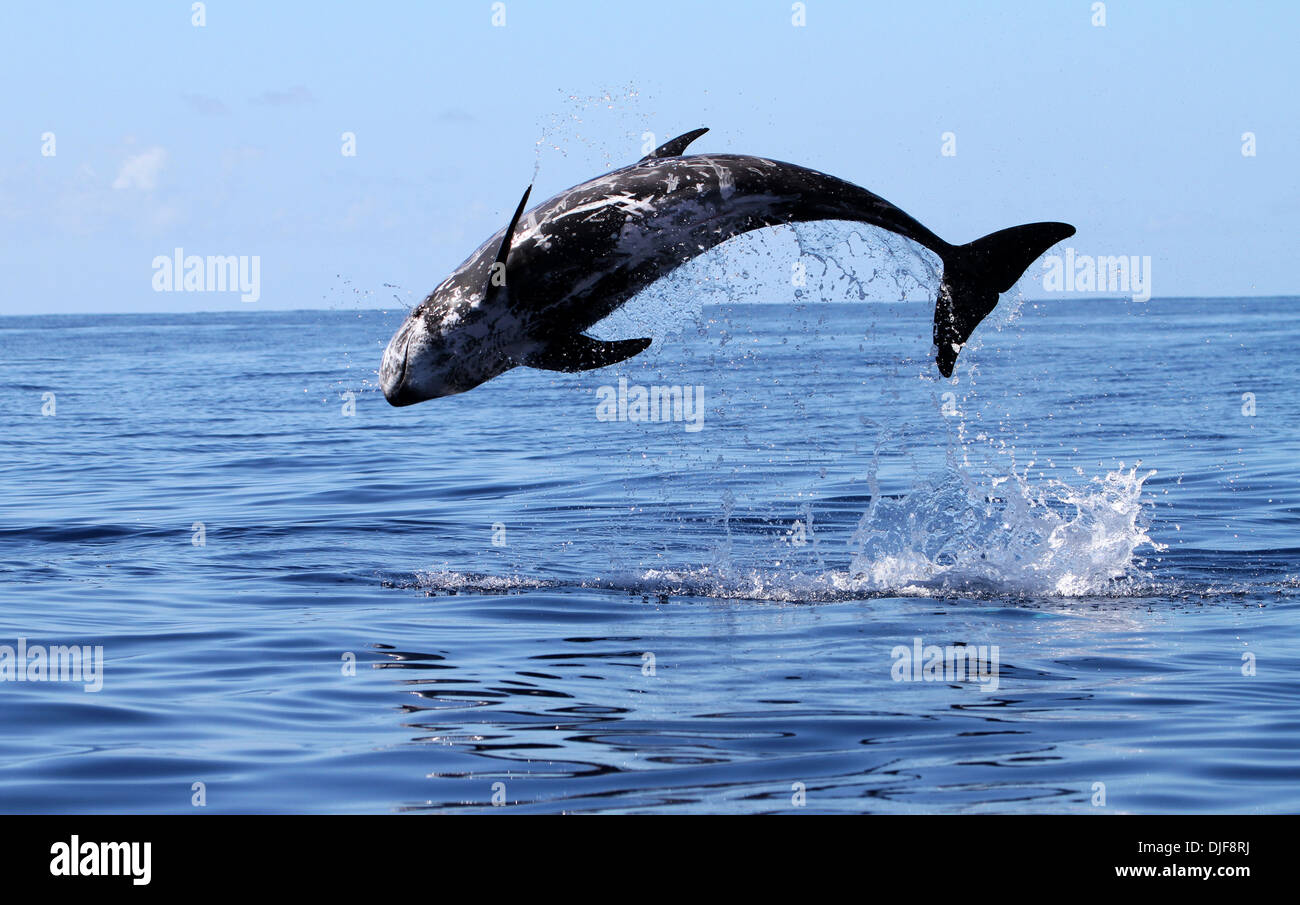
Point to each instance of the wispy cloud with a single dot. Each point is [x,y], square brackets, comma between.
[208,106]
[457,115]
[296,96]
[140,171]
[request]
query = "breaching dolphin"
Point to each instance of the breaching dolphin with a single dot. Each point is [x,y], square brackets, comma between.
[527,295]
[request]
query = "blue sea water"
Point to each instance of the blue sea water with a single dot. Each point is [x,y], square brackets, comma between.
[310,601]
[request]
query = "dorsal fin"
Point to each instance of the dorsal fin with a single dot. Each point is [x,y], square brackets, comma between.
[675,147]
[494,287]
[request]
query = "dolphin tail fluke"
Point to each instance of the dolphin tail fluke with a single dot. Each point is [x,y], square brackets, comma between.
[976,273]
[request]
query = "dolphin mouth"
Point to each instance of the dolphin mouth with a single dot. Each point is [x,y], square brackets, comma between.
[402,397]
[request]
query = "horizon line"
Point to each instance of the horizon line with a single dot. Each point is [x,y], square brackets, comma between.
[251,307]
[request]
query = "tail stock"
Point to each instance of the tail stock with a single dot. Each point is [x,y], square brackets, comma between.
[975,274]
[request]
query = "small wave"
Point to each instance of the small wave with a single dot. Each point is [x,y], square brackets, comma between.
[448,581]
[774,586]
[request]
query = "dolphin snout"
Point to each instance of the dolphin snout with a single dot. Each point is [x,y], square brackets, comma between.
[392,371]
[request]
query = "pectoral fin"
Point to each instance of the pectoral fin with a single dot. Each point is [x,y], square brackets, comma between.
[580,352]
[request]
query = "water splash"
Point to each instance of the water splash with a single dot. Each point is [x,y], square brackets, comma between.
[1017,536]
[578,118]
[950,535]
[791,264]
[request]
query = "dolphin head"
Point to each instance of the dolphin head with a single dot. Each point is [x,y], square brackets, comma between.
[456,338]
[444,349]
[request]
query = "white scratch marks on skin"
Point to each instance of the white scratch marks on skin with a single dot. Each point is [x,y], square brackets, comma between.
[532,232]
[726,183]
[455,305]
[625,202]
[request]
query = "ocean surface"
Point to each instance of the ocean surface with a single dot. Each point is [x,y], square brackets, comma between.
[523,599]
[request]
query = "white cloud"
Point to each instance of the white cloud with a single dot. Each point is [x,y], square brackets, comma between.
[140,171]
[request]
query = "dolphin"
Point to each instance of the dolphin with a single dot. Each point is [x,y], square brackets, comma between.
[529,293]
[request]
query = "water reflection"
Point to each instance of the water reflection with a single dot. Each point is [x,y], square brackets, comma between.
[578,724]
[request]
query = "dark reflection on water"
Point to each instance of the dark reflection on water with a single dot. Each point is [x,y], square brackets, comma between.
[704,733]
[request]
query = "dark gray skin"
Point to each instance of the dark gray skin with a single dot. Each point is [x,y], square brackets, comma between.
[577,257]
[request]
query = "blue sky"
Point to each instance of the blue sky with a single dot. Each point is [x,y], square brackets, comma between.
[226,139]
